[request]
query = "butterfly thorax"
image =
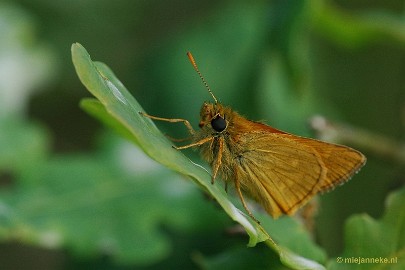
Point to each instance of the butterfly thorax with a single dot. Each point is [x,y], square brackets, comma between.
[221,124]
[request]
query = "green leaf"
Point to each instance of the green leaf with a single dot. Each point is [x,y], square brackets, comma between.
[96,109]
[122,107]
[102,83]
[368,240]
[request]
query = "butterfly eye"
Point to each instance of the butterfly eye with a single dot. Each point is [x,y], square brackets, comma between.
[218,123]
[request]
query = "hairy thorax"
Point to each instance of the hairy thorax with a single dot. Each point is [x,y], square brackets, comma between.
[224,144]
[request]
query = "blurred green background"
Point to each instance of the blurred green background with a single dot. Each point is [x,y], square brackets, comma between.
[75,196]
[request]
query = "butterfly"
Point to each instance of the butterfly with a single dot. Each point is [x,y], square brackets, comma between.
[279,170]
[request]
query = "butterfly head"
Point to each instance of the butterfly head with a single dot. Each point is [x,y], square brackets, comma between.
[212,115]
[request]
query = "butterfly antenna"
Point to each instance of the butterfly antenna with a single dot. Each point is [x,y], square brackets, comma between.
[191,58]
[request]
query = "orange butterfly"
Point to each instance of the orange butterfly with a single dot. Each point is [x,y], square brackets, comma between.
[279,170]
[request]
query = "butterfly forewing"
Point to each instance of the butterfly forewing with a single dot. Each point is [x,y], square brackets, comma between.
[341,161]
[279,172]
[282,172]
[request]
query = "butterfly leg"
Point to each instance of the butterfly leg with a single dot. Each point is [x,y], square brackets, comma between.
[194,144]
[218,161]
[171,120]
[239,191]
[178,140]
